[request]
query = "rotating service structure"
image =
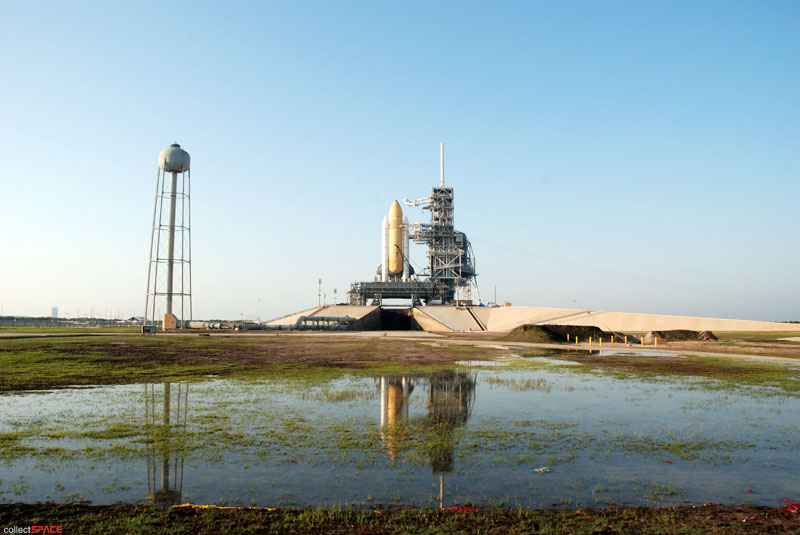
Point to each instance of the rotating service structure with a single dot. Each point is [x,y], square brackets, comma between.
[169,272]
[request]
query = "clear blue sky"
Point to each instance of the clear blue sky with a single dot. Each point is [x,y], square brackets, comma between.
[630,156]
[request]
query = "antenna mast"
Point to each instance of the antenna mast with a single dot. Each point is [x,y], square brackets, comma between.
[441,163]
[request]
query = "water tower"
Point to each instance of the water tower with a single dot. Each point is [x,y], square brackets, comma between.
[169,273]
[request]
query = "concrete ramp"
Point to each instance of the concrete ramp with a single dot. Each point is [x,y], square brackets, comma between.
[506,318]
[356,312]
[503,319]
[366,317]
[291,319]
[429,323]
[455,318]
[483,313]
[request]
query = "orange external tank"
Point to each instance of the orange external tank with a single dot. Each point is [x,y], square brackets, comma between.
[395,239]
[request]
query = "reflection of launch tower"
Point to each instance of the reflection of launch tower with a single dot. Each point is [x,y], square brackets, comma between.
[450,274]
[450,400]
[163,431]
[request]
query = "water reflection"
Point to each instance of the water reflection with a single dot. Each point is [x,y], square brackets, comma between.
[395,392]
[165,428]
[276,443]
[451,396]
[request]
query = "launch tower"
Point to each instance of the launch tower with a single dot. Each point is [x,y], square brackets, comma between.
[450,274]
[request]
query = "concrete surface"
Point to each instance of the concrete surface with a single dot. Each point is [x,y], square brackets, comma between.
[506,318]
[503,319]
[355,312]
[456,319]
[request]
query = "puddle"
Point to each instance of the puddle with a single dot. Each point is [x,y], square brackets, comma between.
[634,353]
[489,436]
[482,363]
[554,362]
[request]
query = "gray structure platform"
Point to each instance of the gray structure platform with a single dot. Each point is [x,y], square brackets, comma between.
[417,291]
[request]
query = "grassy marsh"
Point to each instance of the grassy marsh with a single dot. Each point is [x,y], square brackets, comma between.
[713,373]
[315,401]
[35,363]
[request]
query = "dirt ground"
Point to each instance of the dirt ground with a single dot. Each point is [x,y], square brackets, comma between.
[746,348]
[317,349]
[755,347]
[56,361]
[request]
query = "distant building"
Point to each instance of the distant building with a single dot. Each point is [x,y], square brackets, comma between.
[54,312]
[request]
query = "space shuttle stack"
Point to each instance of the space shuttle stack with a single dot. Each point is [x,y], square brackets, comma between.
[394,245]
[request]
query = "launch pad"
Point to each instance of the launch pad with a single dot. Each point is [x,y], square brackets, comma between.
[448,278]
[417,291]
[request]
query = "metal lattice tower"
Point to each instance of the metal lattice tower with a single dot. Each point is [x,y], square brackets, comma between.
[450,258]
[169,273]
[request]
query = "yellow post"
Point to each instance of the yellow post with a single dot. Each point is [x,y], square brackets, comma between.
[576,339]
[655,341]
[567,337]
[626,339]
[590,340]
[642,340]
[601,341]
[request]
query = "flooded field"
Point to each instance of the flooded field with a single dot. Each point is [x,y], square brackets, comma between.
[539,435]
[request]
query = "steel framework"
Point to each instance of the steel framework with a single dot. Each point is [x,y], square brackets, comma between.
[169,273]
[418,291]
[451,263]
[450,258]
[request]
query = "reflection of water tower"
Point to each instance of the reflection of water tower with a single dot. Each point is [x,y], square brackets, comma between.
[164,449]
[169,274]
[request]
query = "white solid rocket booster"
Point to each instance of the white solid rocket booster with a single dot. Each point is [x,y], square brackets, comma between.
[385,249]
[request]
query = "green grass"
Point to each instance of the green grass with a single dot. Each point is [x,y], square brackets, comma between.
[520,385]
[151,520]
[32,363]
[553,333]
[59,329]
[286,435]
[713,373]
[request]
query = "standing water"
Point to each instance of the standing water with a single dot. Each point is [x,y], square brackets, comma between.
[541,436]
